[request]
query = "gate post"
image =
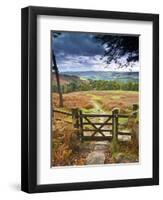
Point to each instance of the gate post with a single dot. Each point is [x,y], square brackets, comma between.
[134,115]
[115,113]
[75,118]
[81,126]
[135,108]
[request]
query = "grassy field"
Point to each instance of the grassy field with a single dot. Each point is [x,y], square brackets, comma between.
[66,147]
[106,100]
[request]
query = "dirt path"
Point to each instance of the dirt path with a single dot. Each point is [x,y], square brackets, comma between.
[97,155]
[97,107]
[98,152]
[102,119]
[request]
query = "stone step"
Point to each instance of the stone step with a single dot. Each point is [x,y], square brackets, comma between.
[95,157]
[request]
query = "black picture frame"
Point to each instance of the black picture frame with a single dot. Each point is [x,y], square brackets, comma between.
[29,99]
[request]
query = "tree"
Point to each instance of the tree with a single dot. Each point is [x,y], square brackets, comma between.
[116,47]
[55,68]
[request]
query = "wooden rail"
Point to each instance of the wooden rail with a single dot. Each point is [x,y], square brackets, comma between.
[95,123]
[62,112]
[96,115]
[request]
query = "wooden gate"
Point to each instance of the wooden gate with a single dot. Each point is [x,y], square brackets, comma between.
[100,127]
[89,129]
[97,130]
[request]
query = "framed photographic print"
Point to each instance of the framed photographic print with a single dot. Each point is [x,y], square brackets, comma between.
[90,99]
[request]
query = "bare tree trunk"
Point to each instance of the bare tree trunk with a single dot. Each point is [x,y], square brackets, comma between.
[58,81]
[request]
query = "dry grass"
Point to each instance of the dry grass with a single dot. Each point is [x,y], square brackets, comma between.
[107,99]
[123,103]
[121,99]
[65,143]
[73,100]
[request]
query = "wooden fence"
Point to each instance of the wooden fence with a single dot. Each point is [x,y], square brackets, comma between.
[99,126]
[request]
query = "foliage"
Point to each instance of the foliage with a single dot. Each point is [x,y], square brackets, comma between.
[125,152]
[97,85]
[118,46]
[134,127]
[62,155]
[64,141]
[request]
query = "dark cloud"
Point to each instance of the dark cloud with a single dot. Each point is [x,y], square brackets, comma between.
[71,43]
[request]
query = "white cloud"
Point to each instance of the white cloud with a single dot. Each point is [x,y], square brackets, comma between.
[91,63]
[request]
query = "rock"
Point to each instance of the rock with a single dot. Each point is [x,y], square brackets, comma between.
[95,157]
[102,143]
[101,147]
[87,147]
[124,137]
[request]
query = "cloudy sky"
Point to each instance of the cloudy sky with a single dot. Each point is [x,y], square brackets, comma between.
[81,52]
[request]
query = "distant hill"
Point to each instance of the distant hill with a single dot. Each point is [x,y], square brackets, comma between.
[102,75]
[67,78]
[86,81]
